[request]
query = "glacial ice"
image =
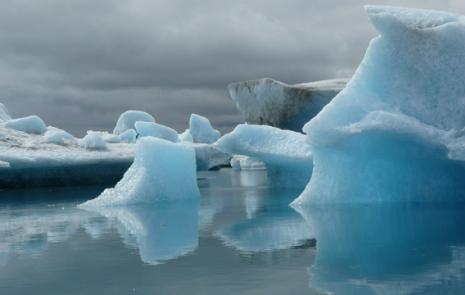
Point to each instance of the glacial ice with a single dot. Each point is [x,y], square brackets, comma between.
[395,133]
[4,114]
[93,141]
[270,102]
[154,176]
[201,130]
[271,145]
[156,130]
[58,136]
[246,163]
[128,136]
[31,124]
[186,136]
[127,120]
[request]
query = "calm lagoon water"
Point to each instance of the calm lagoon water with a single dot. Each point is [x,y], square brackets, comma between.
[240,238]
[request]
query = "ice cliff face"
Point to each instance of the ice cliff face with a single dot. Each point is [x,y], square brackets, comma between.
[395,133]
[270,102]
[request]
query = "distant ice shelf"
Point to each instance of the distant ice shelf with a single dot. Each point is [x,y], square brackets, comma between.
[270,102]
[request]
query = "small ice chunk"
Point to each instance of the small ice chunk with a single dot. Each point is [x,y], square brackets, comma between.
[186,136]
[31,124]
[161,171]
[201,130]
[57,136]
[156,130]
[128,136]
[4,164]
[246,163]
[127,120]
[4,114]
[93,141]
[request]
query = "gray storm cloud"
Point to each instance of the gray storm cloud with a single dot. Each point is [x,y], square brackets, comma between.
[79,63]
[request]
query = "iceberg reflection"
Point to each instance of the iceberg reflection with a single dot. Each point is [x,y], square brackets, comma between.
[387,249]
[161,231]
[270,224]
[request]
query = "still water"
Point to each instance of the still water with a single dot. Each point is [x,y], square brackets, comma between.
[240,238]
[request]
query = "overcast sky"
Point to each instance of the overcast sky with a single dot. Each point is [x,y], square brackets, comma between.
[79,63]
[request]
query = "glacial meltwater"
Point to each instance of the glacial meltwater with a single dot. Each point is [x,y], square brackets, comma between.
[240,237]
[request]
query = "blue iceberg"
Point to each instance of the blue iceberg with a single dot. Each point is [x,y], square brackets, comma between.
[396,132]
[155,176]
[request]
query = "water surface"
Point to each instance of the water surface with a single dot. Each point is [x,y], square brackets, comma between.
[240,238]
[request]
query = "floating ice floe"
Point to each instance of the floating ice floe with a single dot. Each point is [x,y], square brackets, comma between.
[155,176]
[30,124]
[246,163]
[201,130]
[156,130]
[270,102]
[127,120]
[286,153]
[128,136]
[395,133]
[268,144]
[93,141]
[58,136]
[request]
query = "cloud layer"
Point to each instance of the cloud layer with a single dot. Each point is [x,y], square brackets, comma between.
[79,63]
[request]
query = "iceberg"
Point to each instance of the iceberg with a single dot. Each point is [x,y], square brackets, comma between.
[201,130]
[155,176]
[127,120]
[58,136]
[396,132]
[93,141]
[31,124]
[246,163]
[156,130]
[128,136]
[268,144]
[270,102]
[287,155]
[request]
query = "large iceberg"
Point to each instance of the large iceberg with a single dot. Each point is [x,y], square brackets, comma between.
[155,176]
[270,102]
[396,132]
[128,119]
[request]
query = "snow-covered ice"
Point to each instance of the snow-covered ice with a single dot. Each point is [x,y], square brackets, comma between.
[93,141]
[58,136]
[201,130]
[162,171]
[395,133]
[127,120]
[30,124]
[156,130]
[270,102]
